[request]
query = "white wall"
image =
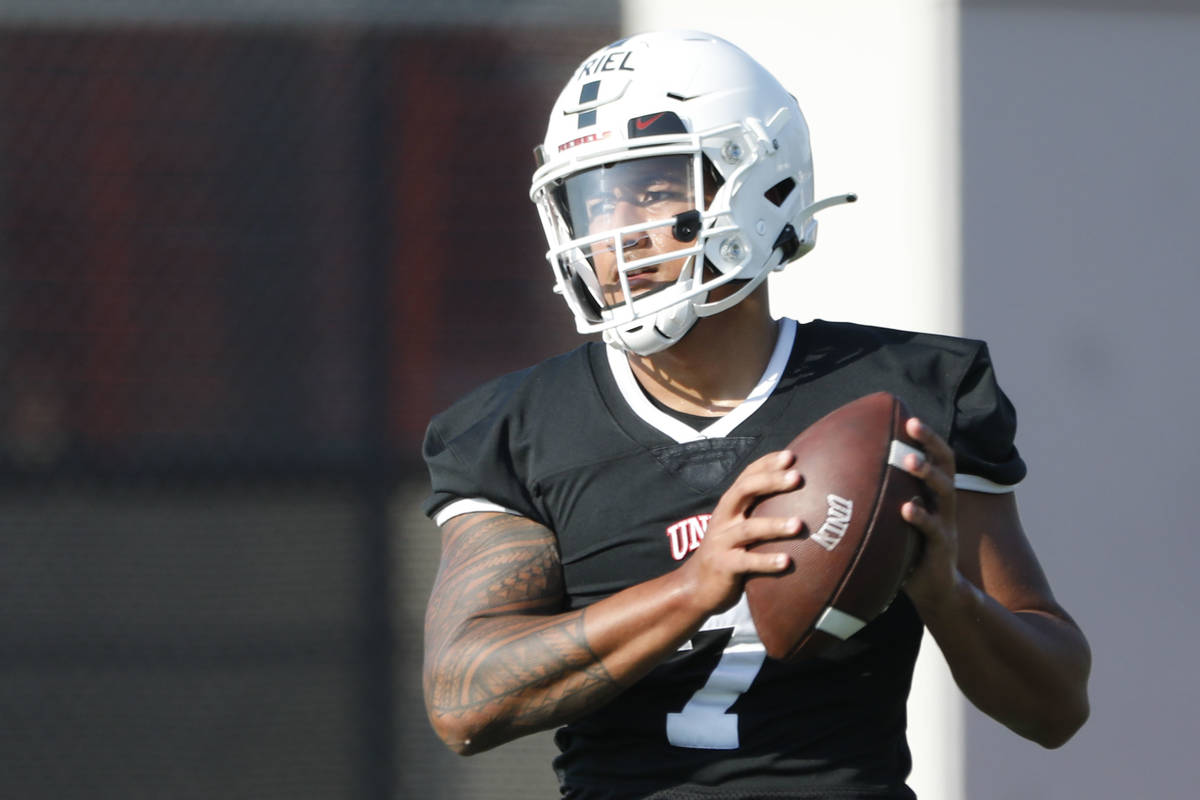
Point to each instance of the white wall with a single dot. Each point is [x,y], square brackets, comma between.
[877,82]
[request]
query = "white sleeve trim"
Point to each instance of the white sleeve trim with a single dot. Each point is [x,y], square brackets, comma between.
[974,483]
[457,508]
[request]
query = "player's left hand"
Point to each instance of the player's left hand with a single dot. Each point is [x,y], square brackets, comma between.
[936,572]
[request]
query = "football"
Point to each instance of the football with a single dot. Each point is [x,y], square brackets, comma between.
[854,550]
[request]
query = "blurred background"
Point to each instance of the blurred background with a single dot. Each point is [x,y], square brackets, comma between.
[246,251]
[248,247]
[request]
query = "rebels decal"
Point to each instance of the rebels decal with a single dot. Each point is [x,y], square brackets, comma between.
[591,137]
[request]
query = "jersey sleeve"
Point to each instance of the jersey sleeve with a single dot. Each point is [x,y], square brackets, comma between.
[470,452]
[984,432]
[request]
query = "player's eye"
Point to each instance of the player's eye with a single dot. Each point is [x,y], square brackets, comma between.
[601,206]
[653,196]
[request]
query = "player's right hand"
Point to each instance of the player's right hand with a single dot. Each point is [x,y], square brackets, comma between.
[715,573]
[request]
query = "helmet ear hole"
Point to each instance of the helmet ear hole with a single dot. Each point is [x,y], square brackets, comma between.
[778,193]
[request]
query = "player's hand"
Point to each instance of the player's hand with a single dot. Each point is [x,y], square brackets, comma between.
[715,573]
[936,572]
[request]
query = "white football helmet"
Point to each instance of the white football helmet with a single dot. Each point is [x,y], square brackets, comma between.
[704,110]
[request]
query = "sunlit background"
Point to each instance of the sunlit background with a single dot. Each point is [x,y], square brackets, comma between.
[248,247]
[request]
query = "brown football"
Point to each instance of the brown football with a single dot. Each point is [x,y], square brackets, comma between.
[854,549]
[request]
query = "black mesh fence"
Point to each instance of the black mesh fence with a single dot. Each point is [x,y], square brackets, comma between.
[239,269]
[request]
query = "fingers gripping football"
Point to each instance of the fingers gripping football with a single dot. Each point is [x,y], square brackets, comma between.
[935,573]
[716,571]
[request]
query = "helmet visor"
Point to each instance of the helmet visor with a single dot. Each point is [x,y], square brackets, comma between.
[617,195]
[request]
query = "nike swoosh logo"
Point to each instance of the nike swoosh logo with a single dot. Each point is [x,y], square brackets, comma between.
[642,124]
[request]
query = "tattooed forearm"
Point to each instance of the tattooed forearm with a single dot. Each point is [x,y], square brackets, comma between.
[527,673]
[499,648]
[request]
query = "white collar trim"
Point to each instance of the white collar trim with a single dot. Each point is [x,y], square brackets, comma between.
[680,431]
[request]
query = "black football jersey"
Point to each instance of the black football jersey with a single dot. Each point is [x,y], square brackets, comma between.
[574,444]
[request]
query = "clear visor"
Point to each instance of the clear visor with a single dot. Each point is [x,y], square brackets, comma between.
[617,195]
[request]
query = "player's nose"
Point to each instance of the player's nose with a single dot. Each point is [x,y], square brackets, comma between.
[635,241]
[626,214]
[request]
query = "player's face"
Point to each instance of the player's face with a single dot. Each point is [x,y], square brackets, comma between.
[627,194]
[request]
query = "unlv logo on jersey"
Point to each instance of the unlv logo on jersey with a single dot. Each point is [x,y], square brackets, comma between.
[687,534]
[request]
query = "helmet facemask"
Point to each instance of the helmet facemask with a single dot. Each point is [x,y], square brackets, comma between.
[628,237]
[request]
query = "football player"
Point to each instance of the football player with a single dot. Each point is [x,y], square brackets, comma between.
[595,508]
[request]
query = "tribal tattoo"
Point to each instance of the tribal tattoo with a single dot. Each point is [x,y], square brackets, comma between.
[498,642]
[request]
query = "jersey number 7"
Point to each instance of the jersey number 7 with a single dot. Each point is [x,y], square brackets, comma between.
[704,722]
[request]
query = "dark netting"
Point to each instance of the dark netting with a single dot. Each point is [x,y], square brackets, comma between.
[240,267]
